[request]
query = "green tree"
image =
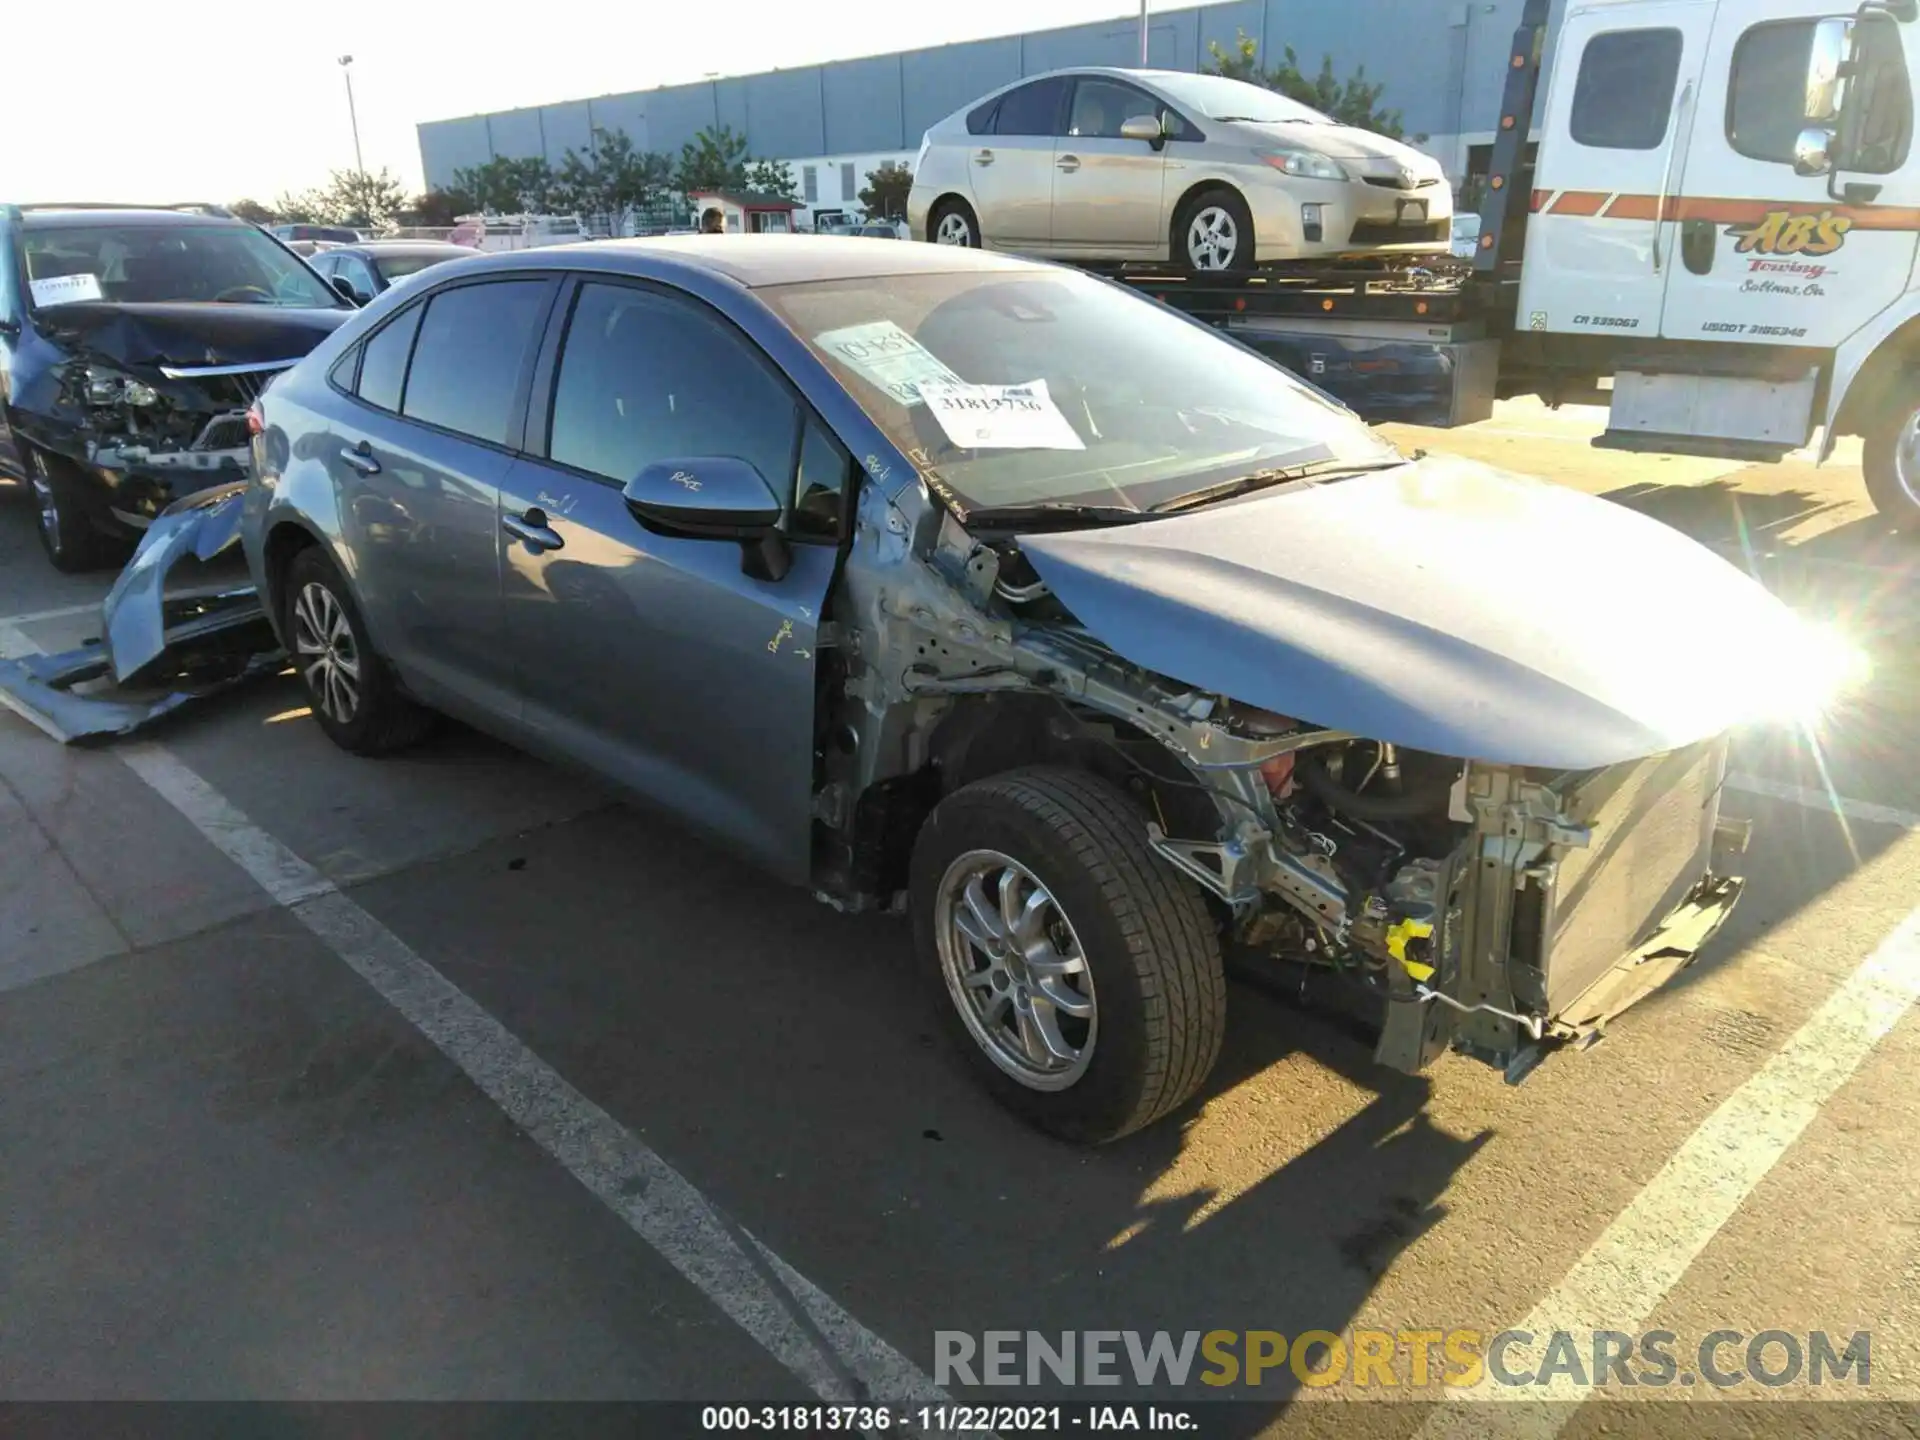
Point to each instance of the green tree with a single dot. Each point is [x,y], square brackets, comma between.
[772,177]
[253,212]
[297,209]
[353,197]
[508,185]
[1353,101]
[885,195]
[440,207]
[715,159]
[611,178]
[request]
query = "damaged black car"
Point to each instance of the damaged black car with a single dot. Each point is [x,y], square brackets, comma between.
[132,342]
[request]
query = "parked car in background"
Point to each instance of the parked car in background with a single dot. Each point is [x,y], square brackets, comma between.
[1213,174]
[362,271]
[881,230]
[131,343]
[516,232]
[337,234]
[1466,236]
[1095,639]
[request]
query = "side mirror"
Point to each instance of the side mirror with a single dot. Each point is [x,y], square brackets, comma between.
[1143,127]
[1813,152]
[1832,43]
[346,290]
[713,497]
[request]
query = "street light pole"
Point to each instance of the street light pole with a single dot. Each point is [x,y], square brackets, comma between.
[359,166]
[1143,34]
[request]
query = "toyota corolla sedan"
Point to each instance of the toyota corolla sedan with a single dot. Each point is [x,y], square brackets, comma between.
[955,584]
[1211,173]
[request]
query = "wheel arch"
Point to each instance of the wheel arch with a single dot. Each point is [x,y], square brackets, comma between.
[941,202]
[1873,382]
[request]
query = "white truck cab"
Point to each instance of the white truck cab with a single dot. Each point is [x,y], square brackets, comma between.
[1725,211]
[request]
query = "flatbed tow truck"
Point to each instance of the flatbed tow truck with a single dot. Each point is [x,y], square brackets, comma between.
[1721,221]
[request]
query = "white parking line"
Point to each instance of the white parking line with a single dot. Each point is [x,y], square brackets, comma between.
[839,1359]
[62,612]
[1648,1247]
[1864,810]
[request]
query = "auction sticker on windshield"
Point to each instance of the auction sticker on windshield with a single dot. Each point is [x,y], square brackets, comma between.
[1000,417]
[888,357]
[64,289]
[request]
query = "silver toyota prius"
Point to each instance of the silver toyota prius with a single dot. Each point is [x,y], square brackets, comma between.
[1157,165]
[983,590]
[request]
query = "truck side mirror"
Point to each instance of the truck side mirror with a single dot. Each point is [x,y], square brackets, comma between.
[1832,43]
[1813,152]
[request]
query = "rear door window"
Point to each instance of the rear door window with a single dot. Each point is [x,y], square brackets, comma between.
[473,344]
[1032,109]
[383,360]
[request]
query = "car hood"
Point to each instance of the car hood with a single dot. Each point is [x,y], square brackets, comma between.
[146,336]
[1447,607]
[1341,142]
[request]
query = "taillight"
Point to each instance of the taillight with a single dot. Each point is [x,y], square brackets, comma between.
[256,421]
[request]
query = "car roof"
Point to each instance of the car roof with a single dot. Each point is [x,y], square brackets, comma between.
[753,261]
[132,215]
[403,247]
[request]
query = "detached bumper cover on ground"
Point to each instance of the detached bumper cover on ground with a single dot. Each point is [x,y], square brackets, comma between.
[159,651]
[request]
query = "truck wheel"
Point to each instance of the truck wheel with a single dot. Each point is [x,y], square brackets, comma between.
[1891,461]
[952,223]
[1214,232]
[355,697]
[60,518]
[1079,974]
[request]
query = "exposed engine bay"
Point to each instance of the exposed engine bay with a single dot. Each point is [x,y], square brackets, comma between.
[1498,910]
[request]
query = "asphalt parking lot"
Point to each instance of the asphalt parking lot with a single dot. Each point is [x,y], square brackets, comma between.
[448,1076]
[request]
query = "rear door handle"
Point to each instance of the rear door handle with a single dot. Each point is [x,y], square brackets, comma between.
[360,457]
[985,157]
[532,530]
[1069,163]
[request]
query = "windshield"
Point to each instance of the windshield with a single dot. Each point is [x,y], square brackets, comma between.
[1217,98]
[155,264]
[1120,401]
[392,267]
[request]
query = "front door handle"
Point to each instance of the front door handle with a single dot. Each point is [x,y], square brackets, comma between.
[360,457]
[985,157]
[532,530]
[1069,163]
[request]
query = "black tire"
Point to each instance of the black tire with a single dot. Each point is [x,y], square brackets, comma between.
[1897,501]
[1150,947]
[67,533]
[1235,208]
[381,718]
[960,213]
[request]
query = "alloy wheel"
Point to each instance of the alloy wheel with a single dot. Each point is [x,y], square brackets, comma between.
[325,651]
[953,229]
[1906,457]
[1015,970]
[49,509]
[1213,239]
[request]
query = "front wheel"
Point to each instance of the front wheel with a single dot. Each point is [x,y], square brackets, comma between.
[60,517]
[1079,974]
[1891,462]
[1214,232]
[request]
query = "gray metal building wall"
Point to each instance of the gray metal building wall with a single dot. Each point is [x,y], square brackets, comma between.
[1442,61]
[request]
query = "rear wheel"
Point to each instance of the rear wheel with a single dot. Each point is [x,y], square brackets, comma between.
[1891,462]
[60,517]
[954,223]
[355,697]
[1079,974]
[1214,232]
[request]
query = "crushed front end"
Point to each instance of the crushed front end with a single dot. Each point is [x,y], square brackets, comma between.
[1500,911]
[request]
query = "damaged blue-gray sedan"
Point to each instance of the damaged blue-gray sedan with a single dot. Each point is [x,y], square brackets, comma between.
[981,589]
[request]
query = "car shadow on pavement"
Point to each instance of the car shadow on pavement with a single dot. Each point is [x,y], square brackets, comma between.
[789,1060]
